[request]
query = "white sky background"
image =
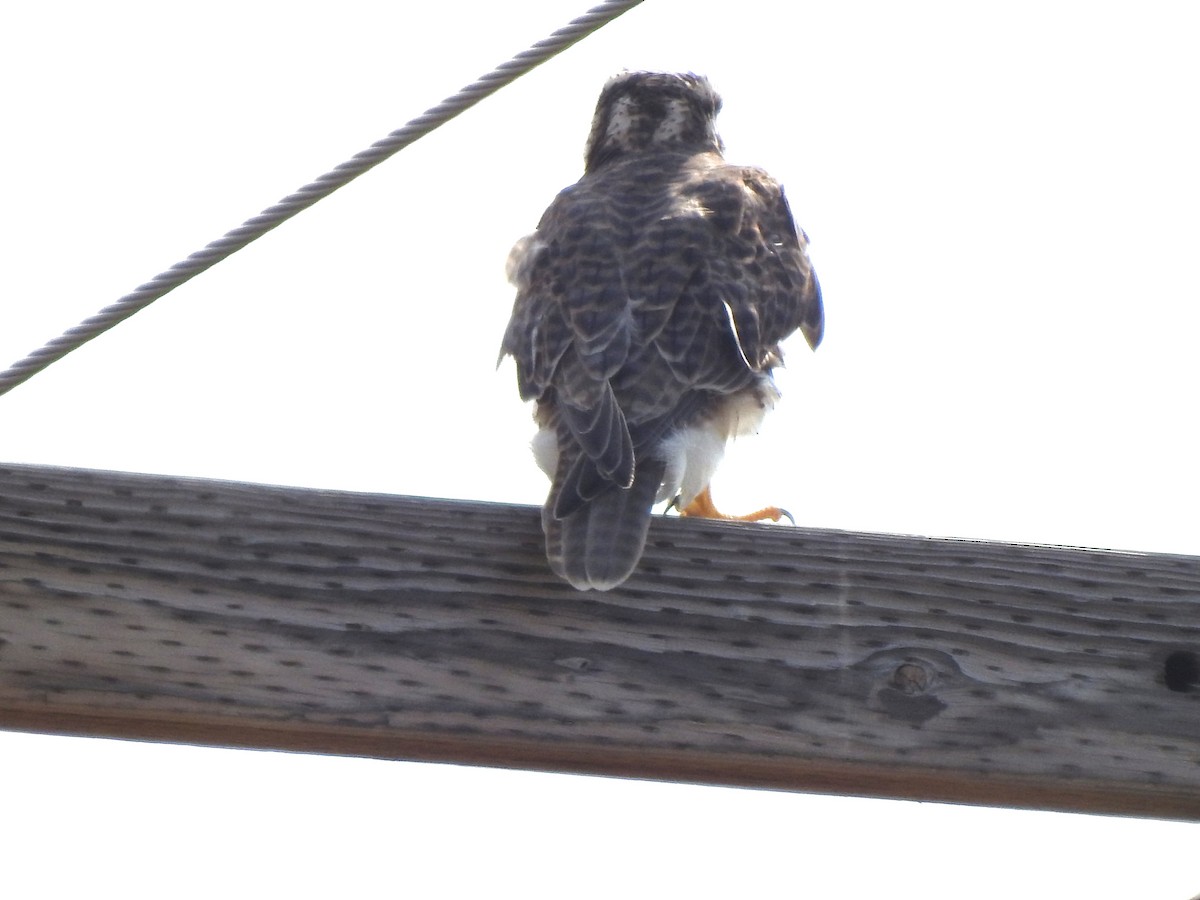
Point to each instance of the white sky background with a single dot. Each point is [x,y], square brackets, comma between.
[1002,202]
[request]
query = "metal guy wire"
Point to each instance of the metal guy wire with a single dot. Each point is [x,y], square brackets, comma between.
[254,228]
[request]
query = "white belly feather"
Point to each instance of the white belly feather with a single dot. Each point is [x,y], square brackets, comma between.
[692,453]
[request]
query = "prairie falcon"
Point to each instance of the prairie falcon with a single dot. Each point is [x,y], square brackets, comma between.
[651,301]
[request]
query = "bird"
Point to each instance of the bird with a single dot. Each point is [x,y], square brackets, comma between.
[650,304]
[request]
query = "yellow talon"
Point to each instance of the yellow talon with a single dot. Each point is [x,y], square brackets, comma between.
[704,507]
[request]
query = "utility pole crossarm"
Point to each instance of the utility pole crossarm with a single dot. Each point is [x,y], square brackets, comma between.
[243,615]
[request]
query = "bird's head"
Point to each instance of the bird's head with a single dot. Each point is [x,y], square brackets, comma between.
[646,111]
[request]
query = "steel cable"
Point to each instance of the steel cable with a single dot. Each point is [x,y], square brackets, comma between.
[256,227]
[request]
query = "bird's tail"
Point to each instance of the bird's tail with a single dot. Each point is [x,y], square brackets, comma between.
[599,544]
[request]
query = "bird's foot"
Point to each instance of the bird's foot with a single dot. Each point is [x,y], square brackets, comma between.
[704,507]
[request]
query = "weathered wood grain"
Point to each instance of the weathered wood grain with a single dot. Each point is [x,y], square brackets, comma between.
[243,615]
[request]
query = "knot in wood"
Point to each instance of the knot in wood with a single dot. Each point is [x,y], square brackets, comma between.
[911,678]
[907,681]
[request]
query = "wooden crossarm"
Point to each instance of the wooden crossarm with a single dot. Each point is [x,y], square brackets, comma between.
[243,615]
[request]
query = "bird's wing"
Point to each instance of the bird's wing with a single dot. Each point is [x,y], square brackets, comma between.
[571,328]
[761,270]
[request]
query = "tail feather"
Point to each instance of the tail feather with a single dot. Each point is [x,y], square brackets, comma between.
[599,544]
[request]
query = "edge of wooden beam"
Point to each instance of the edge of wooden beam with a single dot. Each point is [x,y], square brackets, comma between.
[745,770]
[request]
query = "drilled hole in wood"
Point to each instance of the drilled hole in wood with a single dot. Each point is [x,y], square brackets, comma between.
[1181,671]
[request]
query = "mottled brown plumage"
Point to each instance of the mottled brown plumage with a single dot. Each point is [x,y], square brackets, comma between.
[650,305]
